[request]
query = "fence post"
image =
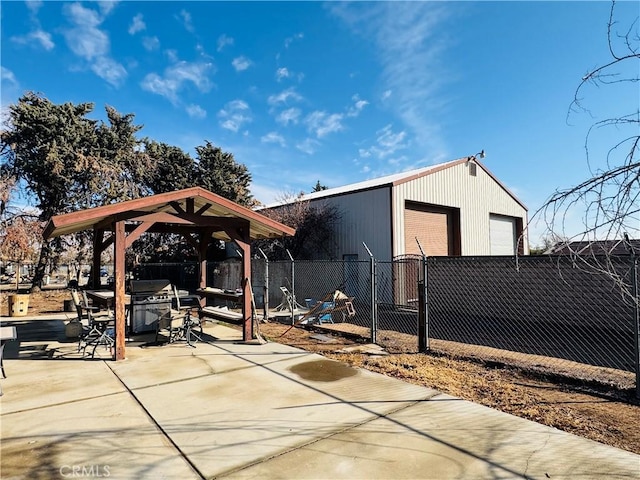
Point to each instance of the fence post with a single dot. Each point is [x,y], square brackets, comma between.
[636,323]
[423,310]
[373,270]
[293,287]
[265,292]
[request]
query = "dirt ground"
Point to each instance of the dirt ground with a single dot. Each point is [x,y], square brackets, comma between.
[602,413]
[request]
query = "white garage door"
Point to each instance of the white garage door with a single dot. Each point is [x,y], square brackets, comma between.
[502,232]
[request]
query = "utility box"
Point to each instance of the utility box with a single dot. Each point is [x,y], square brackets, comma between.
[18,305]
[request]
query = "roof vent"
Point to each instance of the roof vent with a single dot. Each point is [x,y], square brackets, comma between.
[472,169]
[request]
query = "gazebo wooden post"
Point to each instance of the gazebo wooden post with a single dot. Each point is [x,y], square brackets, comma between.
[119,298]
[205,237]
[245,246]
[242,237]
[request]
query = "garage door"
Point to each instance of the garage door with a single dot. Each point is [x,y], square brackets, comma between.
[502,232]
[431,227]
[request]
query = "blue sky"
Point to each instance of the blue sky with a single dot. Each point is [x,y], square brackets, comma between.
[335,92]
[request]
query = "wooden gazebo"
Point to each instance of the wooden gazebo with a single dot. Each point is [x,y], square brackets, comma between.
[198,214]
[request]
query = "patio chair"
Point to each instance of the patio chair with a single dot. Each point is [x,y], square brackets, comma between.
[181,324]
[100,329]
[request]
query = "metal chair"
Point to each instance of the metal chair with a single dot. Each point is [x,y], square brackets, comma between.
[100,329]
[181,324]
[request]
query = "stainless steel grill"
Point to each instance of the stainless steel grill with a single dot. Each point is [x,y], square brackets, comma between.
[150,302]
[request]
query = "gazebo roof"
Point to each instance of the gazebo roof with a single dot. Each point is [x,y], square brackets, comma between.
[180,210]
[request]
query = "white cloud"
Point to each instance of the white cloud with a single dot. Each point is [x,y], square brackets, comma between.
[321,123]
[238,105]
[284,97]
[137,25]
[81,16]
[308,146]
[107,5]
[364,153]
[185,17]
[172,55]
[387,144]
[235,115]
[36,36]
[273,137]
[109,70]
[7,76]
[223,41]
[391,141]
[175,77]
[410,39]
[241,63]
[386,94]
[290,115]
[282,73]
[358,105]
[288,41]
[150,43]
[90,43]
[196,111]
[34,6]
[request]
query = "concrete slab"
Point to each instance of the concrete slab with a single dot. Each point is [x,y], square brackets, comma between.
[232,410]
[448,438]
[155,365]
[98,437]
[31,384]
[264,403]
[173,363]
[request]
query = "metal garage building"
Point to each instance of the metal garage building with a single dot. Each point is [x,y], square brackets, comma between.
[453,208]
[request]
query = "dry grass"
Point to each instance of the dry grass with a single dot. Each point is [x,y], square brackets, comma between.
[608,415]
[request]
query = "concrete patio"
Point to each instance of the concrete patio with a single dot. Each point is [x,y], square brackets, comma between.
[231,410]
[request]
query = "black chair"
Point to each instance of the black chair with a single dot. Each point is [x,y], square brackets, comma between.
[100,329]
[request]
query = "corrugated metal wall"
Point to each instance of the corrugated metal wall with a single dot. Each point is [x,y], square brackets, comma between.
[475,196]
[366,217]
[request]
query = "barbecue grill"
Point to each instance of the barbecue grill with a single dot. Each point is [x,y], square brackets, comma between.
[150,301]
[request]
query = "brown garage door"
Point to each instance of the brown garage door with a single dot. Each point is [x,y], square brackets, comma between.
[432,226]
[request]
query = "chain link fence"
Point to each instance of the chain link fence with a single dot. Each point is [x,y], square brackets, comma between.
[555,314]
[313,282]
[397,294]
[548,307]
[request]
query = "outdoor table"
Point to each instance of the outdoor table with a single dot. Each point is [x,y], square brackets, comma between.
[218,293]
[104,298]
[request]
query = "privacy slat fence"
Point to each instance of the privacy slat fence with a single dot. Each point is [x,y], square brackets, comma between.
[570,316]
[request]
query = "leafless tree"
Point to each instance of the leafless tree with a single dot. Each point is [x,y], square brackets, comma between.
[314,224]
[607,201]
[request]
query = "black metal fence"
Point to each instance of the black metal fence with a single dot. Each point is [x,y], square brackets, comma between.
[311,282]
[557,314]
[548,306]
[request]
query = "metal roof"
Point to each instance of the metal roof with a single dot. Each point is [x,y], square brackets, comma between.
[367,184]
[393,179]
[180,209]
